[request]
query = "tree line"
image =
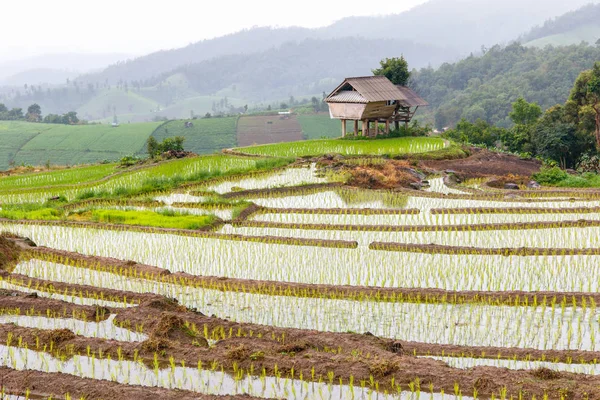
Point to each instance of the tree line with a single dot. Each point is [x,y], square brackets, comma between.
[34,114]
[567,133]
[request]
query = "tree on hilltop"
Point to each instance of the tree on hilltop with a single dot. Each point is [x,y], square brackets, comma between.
[395,69]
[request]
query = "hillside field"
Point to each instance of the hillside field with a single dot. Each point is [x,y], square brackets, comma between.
[321,126]
[206,136]
[37,144]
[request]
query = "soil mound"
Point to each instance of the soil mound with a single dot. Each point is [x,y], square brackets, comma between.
[484,163]
[9,253]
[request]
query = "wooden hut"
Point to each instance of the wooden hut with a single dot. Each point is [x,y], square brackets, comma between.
[373,99]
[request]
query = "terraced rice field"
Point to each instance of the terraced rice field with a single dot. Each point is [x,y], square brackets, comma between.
[299,288]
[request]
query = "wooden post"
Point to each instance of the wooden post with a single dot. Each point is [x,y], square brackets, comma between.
[355,127]
[343,128]
[365,126]
[397,125]
[376,131]
[387,126]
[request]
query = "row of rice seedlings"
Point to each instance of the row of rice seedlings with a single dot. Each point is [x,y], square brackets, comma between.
[210,378]
[515,210]
[73,296]
[376,199]
[325,217]
[287,177]
[556,326]
[103,329]
[11,225]
[469,362]
[395,146]
[259,261]
[532,237]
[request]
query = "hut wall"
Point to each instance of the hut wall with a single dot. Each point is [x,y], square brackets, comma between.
[346,110]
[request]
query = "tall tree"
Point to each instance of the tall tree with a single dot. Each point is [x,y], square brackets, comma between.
[585,99]
[34,113]
[395,69]
[525,113]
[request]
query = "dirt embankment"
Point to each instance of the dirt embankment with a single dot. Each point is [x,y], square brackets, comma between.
[484,163]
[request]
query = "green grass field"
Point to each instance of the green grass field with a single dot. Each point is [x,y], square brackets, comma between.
[206,136]
[320,126]
[37,144]
[396,146]
[584,33]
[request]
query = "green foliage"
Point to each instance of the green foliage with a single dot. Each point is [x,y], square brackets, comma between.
[395,69]
[480,133]
[493,81]
[168,144]
[557,177]
[524,113]
[129,160]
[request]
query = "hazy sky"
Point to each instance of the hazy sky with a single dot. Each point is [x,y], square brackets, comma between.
[141,26]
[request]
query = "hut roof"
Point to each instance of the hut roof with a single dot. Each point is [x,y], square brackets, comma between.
[368,89]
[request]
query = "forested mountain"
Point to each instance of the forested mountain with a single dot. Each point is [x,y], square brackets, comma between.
[484,87]
[585,20]
[457,26]
[308,67]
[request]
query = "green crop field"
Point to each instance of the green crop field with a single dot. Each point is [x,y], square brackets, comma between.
[37,144]
[394,146]
[206,136]
[319,126]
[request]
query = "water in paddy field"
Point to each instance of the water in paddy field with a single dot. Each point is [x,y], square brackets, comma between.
[541,327]
[105,329]
[194,379]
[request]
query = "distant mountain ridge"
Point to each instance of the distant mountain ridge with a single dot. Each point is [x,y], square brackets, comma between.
[457,26]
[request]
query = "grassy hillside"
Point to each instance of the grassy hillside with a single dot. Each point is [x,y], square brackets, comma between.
[206,136]
[36,144]
[585,33]
[318,126]
[107,102]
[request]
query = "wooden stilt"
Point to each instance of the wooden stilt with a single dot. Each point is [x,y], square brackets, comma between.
[365,126]
[355,127]
[376,130]
[343,128]
[387,126]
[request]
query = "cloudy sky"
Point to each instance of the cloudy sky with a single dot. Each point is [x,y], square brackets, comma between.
[140,26]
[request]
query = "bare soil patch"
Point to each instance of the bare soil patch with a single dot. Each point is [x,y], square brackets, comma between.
[268,129]
[484,163]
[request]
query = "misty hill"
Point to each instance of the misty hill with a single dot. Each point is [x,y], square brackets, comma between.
[457,26]
[570,28]
[46,76]
[66,62]
[461,25]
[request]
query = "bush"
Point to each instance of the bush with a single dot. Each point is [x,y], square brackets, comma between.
[550,176]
